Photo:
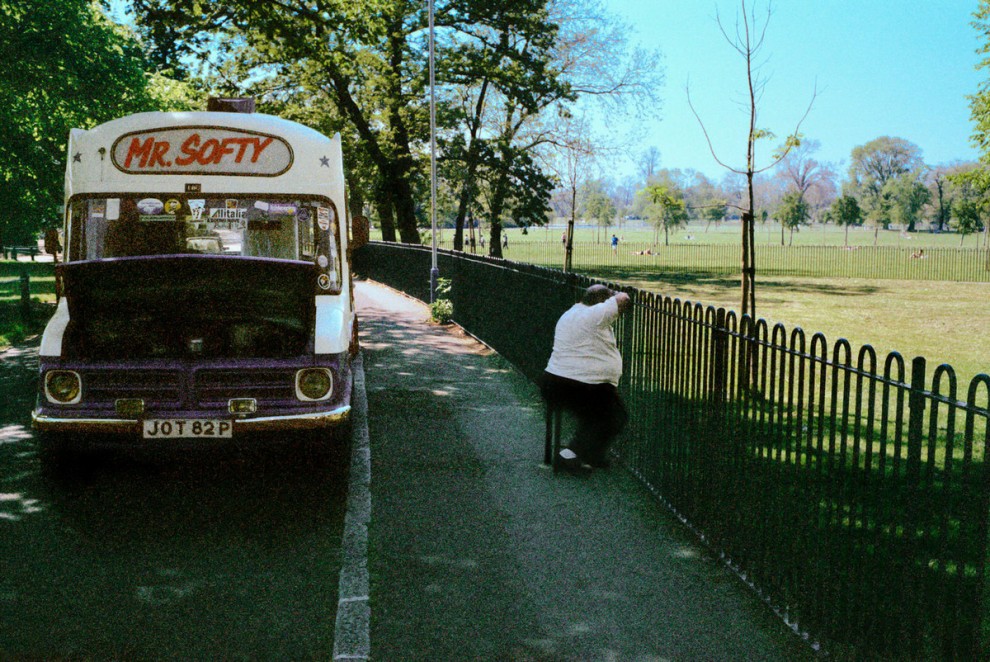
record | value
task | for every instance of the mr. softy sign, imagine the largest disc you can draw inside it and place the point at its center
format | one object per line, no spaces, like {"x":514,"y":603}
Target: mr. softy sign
{"x":201,"y":150}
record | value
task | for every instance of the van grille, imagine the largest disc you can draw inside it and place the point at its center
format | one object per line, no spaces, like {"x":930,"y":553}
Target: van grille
{"x":214,"y":387}
{"x":160,"y":389}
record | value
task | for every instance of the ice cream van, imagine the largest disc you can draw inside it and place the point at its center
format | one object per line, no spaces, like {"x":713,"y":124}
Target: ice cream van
{"x":206,"y":292}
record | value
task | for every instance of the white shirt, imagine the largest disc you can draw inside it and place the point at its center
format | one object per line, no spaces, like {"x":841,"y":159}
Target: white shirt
{"x":584,"y":346}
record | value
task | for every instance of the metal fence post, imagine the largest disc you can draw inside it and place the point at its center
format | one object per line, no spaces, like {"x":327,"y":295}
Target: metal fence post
{"x":720,"y":367}
{"x":916,"y":414}
{"x":915,"y":495}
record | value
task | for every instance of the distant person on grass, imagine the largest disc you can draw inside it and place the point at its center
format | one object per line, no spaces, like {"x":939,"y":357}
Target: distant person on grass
{"x":583,"y":373}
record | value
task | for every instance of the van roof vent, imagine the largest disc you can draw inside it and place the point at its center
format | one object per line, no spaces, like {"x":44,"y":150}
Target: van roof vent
{"x":218,"y":105}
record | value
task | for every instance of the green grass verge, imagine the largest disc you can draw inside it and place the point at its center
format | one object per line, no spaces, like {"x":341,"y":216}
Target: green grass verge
{"x":14,"y":327}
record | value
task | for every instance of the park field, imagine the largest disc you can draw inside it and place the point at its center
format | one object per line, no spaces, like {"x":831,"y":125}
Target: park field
{"x":944,"y":321}
{"x":635,"y":232}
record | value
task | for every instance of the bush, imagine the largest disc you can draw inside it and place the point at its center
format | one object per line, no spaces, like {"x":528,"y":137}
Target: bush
{"x":442,"y":309}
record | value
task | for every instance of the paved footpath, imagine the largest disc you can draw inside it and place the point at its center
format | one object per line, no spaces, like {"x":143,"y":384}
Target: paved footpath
{"x":476,"y":551}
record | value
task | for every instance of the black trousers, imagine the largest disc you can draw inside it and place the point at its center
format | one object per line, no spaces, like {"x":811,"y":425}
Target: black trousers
{"x":597,"y":408}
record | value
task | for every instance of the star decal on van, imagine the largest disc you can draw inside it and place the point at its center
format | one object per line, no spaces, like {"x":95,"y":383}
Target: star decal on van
{"x":324,"y":162}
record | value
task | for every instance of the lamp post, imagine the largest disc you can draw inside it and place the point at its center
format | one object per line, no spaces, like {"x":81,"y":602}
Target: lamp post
{"x":434,"y":270}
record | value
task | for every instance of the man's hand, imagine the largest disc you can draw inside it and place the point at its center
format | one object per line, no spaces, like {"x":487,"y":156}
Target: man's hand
{"x":623,"y":301}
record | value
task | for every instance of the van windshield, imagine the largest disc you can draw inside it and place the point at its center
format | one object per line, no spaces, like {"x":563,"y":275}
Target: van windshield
{"x":166,"y":224}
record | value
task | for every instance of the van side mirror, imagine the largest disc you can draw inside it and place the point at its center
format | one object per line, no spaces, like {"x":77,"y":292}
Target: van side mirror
{"x":360,"y":232}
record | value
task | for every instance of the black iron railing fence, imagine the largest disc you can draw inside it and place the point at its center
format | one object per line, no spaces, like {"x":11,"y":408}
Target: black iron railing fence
{"x":850,"y":491}
{"x":884,"y":262}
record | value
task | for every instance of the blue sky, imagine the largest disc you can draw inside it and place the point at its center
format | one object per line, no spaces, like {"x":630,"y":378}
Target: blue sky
{"x":882,"y":67}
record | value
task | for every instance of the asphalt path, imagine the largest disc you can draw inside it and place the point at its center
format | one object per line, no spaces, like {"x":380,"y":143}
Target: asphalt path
{"x":476,"y":551}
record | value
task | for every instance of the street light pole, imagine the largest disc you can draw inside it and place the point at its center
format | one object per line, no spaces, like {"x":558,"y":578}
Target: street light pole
{"x":434,"y":270}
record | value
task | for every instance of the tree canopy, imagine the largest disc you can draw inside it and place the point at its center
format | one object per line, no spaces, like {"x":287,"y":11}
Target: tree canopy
{"x":500,"y":67}
{"x":66,"y":65}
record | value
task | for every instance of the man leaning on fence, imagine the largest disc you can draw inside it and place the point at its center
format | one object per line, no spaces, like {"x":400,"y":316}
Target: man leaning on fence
{"x":583,"y":373}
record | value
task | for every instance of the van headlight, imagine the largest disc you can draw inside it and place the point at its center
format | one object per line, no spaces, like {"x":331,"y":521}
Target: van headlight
{"x":314,"y":384}
{"x":63,"y":387}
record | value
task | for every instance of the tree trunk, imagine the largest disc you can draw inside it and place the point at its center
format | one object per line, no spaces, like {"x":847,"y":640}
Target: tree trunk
{"x":383,"y":204}
{"x":405,"y":207}
{"x":400,"y":172}
{"x":466,"y":196}
{"x":355,"y":198}
{"x":496,"y":206}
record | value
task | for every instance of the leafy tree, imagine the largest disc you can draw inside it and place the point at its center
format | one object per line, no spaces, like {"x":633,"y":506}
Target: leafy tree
{"x":979,"y":103}
{"x":713,"y":211}
{"x":968,"y":217}
{"x":971,"y":201}
{"x":65,"y":65}
{"x":814,"y":180}
{"x":845,"y":212}
{"x":873,"y":179}
{"x":909,"y":197}
{"x":598,"y":206}
{"x":495,"y":66}
{"x":597,"y":67}
{"x":366,"y":58}
{"x":793,"y":212}
{"x":667,"y":210}
{"x":939,"y":189}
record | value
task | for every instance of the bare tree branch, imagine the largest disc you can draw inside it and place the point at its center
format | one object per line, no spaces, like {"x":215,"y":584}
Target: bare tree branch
{"x":708,"y":139}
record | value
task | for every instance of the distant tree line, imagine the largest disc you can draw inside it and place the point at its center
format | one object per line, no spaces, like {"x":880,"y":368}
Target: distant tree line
{"x":887,"y":184}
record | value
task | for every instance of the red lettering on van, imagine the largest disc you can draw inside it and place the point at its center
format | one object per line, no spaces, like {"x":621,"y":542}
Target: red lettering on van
{"x":259,"y":147}
{"x":243,"y":142}
{"x":208,"y":152}
{"x":190,"y":147}
{"x":139,"y":149}
{"x":158,"y":154}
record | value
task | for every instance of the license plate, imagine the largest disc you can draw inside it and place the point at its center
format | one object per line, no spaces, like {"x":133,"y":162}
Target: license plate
{"x":179,"y":428}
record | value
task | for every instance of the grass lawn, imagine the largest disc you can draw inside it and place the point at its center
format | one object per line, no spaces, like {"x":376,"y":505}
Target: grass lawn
{"x":635,"y":232}
{"x":944,"y":322}
{"x":13,"y":328}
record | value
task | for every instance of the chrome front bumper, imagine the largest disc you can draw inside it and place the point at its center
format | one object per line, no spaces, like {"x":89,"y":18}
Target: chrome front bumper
{"x":310,"y":421}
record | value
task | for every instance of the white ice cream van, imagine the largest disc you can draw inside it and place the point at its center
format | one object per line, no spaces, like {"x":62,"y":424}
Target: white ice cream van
{"x":206,"y":291}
